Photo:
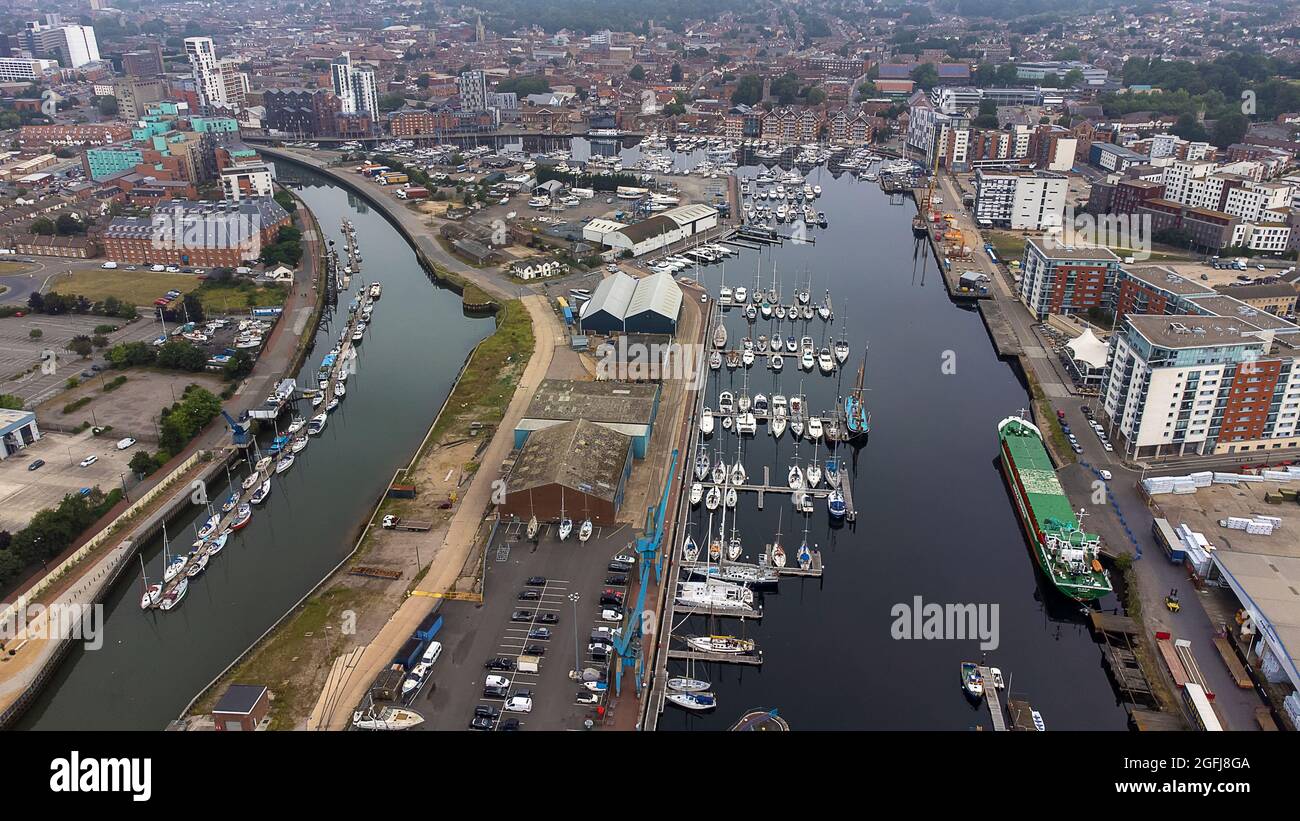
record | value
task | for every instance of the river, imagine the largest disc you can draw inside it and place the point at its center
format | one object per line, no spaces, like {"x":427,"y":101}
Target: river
{"x":935,"y":520}
{"x":152,"y":664}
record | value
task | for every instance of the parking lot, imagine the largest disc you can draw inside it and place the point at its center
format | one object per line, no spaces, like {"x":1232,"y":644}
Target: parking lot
{"x":506,"y":627}
{"x":24,"y":492}
{"x":20,"y":352}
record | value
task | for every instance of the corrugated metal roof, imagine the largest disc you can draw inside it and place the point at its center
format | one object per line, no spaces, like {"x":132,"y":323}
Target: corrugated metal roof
{"x":658,"y":293}
{"x":612,"y":295}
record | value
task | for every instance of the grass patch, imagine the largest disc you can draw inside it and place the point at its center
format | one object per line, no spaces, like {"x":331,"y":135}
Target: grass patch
{"x":114,"y":384}
{"x":73,"y":407}
{"x":1047,"y":417}
{"x":299,"y":646}
{"x":1009,"y":247}
{"x":237,"y":297}
{"x":7,"y":268}
{"x":473,"y":295}
{"x":132,"y":287}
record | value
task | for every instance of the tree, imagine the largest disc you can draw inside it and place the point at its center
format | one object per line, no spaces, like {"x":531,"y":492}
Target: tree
{"x":43,"y":226}
{"x":1189,"y":129}
{"x":748,"y":91}
{"x":675,"y":73}
{"x":35,"y":333}
{"x":988,"y":116}
{"x":142,"y":464}
{"x":108,"y":106}
{"x":391,"y":102}
{"x":1228,"y":130}
{"x":99,"y":341}
{"x":10,"y":402}
{"x":926,"y":76}
{"x":637,"y":73}
{"x":67,"y":225}
{"x":180,"y":355}
{"x":286,"y":201}
{"x":81,"y":345}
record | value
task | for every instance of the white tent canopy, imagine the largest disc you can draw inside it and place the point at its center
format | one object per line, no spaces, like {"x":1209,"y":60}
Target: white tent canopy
{"x":1088,"y":349}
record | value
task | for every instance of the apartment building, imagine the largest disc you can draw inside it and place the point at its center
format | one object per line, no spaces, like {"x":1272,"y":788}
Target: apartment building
{"x":1020,"y":200}
{"x":248,"y":179}
{"x":1056,"y":280}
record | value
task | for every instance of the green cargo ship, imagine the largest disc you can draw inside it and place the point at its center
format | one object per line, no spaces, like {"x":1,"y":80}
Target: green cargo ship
{"x":1068,"y":556}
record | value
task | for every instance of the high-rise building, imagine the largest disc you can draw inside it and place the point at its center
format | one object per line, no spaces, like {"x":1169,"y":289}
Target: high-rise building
{"x":144,"y":63}
{"x":80,"y":46}
{"x":356,"y":89}
{"x":216,"y":80}
{"x":74,"y":46}
{"x":473,"y":90}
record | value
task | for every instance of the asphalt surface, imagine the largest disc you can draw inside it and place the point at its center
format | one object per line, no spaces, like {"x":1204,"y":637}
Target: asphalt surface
{"x":473,"y":633}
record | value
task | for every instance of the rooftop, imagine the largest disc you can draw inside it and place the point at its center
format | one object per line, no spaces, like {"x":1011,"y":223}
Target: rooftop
{"x":612,"y":402}
{"x":578,"y":455}
{"x":1073,"y":252}
{"x":1166,"y":280}
{"x":1193,"y":331}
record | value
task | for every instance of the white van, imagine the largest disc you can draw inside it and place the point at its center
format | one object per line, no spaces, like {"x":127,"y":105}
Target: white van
{"x":109,"y":265}
{"x":528,"y":664}
{"x":432,"y":653}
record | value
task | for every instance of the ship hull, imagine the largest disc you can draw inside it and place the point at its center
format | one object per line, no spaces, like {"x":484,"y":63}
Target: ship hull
{"x":1025,"y":513}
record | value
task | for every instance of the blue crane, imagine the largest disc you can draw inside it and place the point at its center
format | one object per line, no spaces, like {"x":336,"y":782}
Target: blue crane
{"x":238,"y":433}
{"x":647,"y":547}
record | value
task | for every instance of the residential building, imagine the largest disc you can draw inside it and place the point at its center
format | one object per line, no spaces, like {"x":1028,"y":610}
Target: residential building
{"x":1066,"y":280}
{"x":244,"y":180}
{"x":1020,"y":200}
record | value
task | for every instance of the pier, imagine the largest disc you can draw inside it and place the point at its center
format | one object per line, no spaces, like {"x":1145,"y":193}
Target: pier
{"x":753,"y":659}
{"x":993,"y":699}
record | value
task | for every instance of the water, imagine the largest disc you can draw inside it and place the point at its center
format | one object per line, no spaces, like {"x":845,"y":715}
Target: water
{"x":152,"y":664}
{"x":934,"y":517}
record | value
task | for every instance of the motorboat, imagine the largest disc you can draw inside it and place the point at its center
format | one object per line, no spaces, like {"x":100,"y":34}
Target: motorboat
{"x":285,"y":463}
{"x":791,"y":345}
{"x":841,"y":351}
{"x":297,"y":424}
{"x":776,"y":362}
{"x":743,"y":403}
{"x":747,"y":358}
{"x":760,"y":403}
{"x":796,"y":427}
{"x":715,"y":550}
{"x":584,"y":531}
{"x":317,"y":424}
{"x":388,"y":718}
{"x":715,"y":360}
{"x":835,"y":504}
{"x":825,"y":362}
{"x":814,"y":428}
{"x":806,"y":361}
{"x":746,"y":423}
{"x":332,"y":404}
{"x":299,"y":444}
{"x":726,"y":403}
{"x":706,"y":422}
{"x":972,"y":683}
{"x":415,"y":679}
{"x":263,"y":491}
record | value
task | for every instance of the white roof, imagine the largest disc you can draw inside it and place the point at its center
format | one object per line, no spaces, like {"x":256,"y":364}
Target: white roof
{"x":603,"y":226}
{"x":687,"y":214}
{"x":612,"y":295}
{"x":1086,"y":347}
{"x":658,"y":293}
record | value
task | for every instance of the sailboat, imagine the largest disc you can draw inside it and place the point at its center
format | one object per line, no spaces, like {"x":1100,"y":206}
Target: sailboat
{"x":242,"y":516}
{"x":778,"y":552}
{"x":173,"y":597}
{"x":172,"y":565}
{"x":682,"y":684}
{"x":857,"y":419}
{"x":701,"y":465}
{"x":218,"y":543}
{"x":693,"y":701}
{"x":832,"y":471}
{"x":690,"y":550}
{"x":730,"y":497}
{"x":584,"y":532}
{"x":210,"y":526}
{"x":733,"y":544}
{"x":152,"y":592}
{"x":803,"y":555}
{"x":713,"y":498}
{"x":566,"y":524}
{"x":261,"y":493}
{"x":697,"y":493}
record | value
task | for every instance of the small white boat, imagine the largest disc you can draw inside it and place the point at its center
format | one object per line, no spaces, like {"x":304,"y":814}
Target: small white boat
{"x":690,"y":550}
{"x":584,"y":532}
{"x":210,"y":526}
{"x":814,"y":474}
{"x":251,"y":480}
{"x":340,"y":390}
{"x":687,"y":685}
{"x":317,"y":424}
{"x":778,"y":425}
{"x":697,"y":493}
{"x":701,"y":465}
{"x":285,"y":462}
{"x":533,"y":527}
{"x":218,"y":543}
{"x":776,"y":362}
{"x":199,"y":564}
{"x":389,"y":718}
{"x":173,"y":597}
{"x":299,"y":443}
{"x":261,"y":493}
{"x":795,"y":477}
{"x":713,"y":498}
{"x":706,"y":422}
{"x":298,"y":423}
{"x":806,"y":361}
{"x":731,"y":497}
{"x":778,"y":555}
{"x":814,"y":428}
{"x":738,"y":473}
{"x":152,"y":594}
{"x":693,"y":701}
{"x":566,"y":527}
{"x":825,"y":362}
{"x":719,"y":475}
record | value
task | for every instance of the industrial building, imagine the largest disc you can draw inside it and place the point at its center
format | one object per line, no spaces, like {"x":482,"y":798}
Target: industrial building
{"x":622,"y":303}
{"x":17,"y":430}
{"x":650,"y":235}
{"x":577,"y":469}
{"x":242,"y":708}
{"x":625,"y":407}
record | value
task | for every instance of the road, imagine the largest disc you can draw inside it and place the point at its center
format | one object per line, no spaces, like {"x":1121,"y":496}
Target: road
{"x":1120,"y":496}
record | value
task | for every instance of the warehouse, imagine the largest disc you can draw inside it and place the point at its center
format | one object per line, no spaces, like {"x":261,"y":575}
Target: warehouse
{"x":625,"y":407}
{"x":17,"y":431}
{"x":650,"y":235}
{"x":622,"y":303}
{"x":577,"y":469}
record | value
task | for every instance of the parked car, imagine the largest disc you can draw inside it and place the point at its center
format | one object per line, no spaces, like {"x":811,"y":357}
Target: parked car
{"x":480,"y":723}
{"x":539,"y":633}
{"x":499,"y":663}
{"x":587,"y":698}
{"x":536,"y":581}
{"x":625,"y":558}
{"x":616,"y":581}
{"x":535,"y":650}
{"x":495,"y":692}
{"x":529,"y":595}
{"x":484,"y":711}
{"x":618,"y":567}
{"x":88,"y":461}
{"x":37,"y":464}
{"x":123,"y":444}
{"x":508,"y":725}
{"x":1105,"y":474}
{"x":522,"y":615}
{"x":496,"y":681}
{"x":548,"y":618}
